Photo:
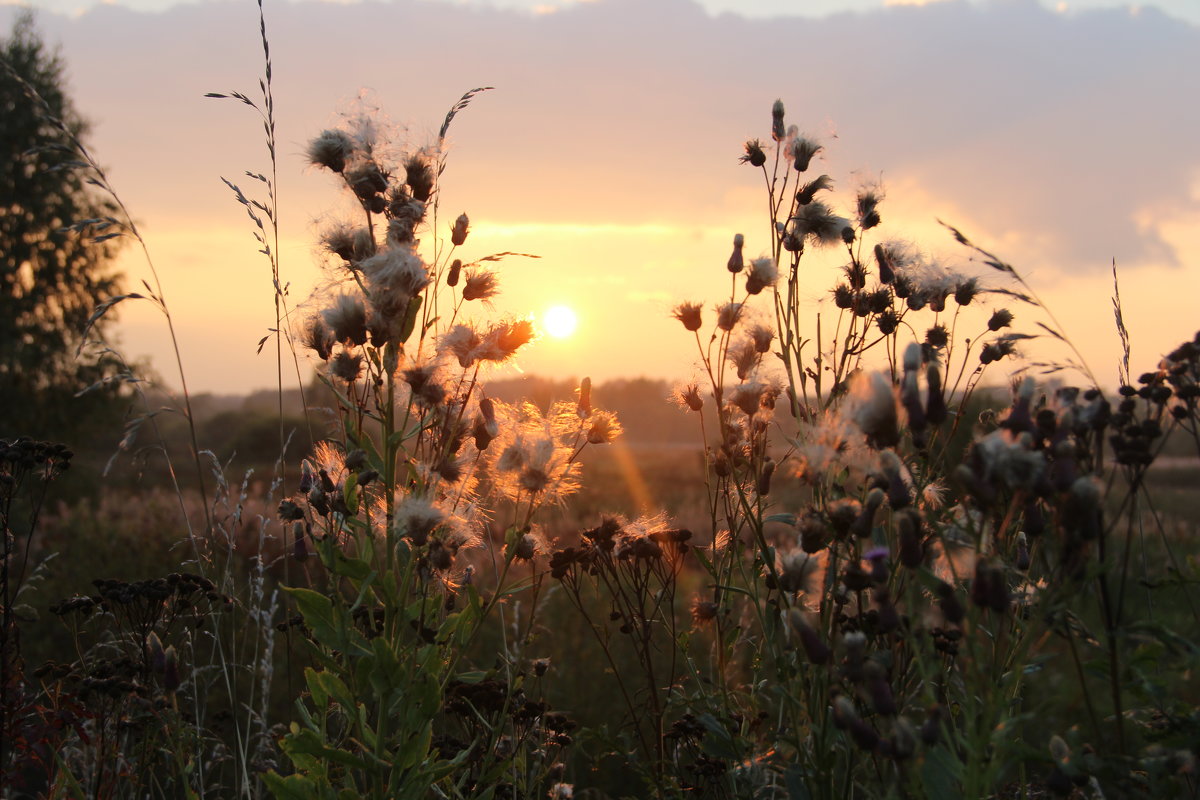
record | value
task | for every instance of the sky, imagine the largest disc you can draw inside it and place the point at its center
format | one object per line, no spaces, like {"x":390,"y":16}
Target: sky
{"x":1060,"y":136}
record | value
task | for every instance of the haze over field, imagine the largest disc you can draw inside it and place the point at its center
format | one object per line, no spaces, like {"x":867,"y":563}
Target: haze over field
{"x":1062,"y":138}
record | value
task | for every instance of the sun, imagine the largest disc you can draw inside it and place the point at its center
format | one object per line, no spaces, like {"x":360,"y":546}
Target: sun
{"x":559,"y":321}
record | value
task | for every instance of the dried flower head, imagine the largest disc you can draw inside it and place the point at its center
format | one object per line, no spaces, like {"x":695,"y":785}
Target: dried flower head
{"x":347,"y":318}
{"x":317,"y":336}
{"x":480,"y":285}
{"x":763,"y":273}
{"x":800,"y":152}
{"x":331,"y":149}
{"x":728,"y":315}
{"x":754,"y":154}
{"x":603,"y":427}
{"x":689,"y":315}
{"x":816,"y":221}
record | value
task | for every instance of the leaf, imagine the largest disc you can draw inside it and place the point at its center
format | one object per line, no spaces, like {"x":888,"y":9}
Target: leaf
{"x":103,"y":309}
{"x":1051,"y":331}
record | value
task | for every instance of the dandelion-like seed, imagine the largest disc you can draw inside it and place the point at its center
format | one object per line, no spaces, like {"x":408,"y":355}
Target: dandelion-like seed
{"x":480,"y":285}
{"x":868,"y":207}
{"x":603,"y":427}
{"x":801,"y":152}
{"x":417,"y":517}
{"x":346,"y":367}
{"x":689,"y":397}
{"x":331,"y":149}
{"x":317,"y":337}
{"x":818,"y":222}
{"x":728,"y":315}
{"x":809,"y":190}
{"x":347,"y":318}
{"x":762,"y":336}
{"x":418,"y":174}
{"x":763,"y":273}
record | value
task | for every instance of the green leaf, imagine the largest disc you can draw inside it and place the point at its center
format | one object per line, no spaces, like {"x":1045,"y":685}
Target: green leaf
{"x":293,"y":787}
{"x":941,"y":774}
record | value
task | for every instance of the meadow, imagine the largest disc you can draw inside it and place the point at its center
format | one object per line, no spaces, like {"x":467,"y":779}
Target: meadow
{"x":894,"y":559}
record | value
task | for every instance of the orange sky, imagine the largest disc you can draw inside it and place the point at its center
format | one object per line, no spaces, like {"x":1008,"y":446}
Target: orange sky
{"x":610,"y":146}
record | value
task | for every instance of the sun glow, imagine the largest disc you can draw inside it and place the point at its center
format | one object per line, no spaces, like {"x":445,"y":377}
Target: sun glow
{"x":559,"y":321}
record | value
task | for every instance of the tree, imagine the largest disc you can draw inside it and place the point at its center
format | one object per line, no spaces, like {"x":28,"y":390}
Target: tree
{"x":51,"y":276}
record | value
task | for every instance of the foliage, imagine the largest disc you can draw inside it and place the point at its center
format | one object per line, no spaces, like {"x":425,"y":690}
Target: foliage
{"x":54,"y":250}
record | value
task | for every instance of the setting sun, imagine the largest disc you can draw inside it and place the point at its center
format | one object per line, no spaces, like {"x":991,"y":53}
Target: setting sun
{"x":559,"y":321}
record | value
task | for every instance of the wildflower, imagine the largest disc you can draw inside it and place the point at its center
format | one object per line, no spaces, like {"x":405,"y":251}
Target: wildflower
{"x":809,"y":190}
{"x":453,"y":273}
{"x":404,"y":217}
{"x":818,"y":222}
{"x":317,"y":336}
{"x":761,"y":336}
{"x":728,"y":315}
{"x":868,"y":207}
{"x":583,"y":404}
{"x":458,"y":233}
{"x":814,"y":647}
{"x":689,"y":315}
{"x":754,"y":155}
{"x":418,"y":174}
{"x":416,"y":518}
{"x":736,"y":261}
{"x":704,"y":611}
{"x":966,"y":291}
{"x":748,"y":397}
{"x":504,"y":339}
{"x":393,"y":277}
{"x":777,"y":130}
{"x":603,"y":427}
{"x":689,"y":397}
{"x":744,"y":356}
{"x":801,"y":151}
{"x":480,"y":285}
{"x":331,"y":149}
{"x":763,"y":273}
{"x":1001,"y":318}
{"x":422,"y":380}
{"x":464,"y":343}
{"x":368,"y":181}
{"x":763,"y":484}
{"x":872,"y":407}
{"x":937,"y":337}
{"x":843,"y":296}
{"x":348,"y":243}
{"x":346,"y":367}
{"x":171,"y":677}
{"x":347,"y":318}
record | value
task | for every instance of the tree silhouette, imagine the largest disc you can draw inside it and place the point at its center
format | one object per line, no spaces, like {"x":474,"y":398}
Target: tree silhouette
{"x":52,"y":276}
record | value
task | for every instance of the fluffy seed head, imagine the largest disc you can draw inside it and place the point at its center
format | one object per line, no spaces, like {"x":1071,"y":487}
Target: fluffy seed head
{"x":331,"y":149}
{"x":689,"y":315}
